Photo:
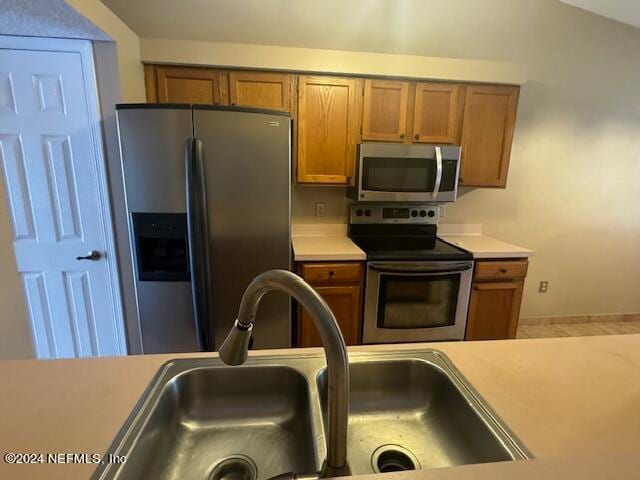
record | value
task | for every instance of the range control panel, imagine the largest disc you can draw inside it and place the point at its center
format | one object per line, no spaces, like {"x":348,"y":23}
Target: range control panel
{"x":412,"y":213}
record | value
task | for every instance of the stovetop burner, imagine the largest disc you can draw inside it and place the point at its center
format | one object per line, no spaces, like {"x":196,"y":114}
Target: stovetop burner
{"x":411,"y":249}
{"x":400,"y":240}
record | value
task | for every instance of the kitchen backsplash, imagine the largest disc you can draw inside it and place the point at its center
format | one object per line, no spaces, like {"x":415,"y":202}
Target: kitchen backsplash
{"x":304,"y":200}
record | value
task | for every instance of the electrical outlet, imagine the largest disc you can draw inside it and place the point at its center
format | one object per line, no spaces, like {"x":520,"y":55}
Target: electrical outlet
{"x":543,"y":287}
{"x":320,"y":209}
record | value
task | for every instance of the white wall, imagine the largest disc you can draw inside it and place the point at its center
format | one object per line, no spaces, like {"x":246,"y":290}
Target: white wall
{"x":54,"y":18}
{"x":156,"y":50}
{"x":128,"y":45}
{"x":15,"y":336}
{"x":573,"y":191}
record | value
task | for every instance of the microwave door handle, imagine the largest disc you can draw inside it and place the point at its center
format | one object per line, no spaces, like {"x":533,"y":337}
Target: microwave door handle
{"x":398,"y":268}
{"x":436,"y":186}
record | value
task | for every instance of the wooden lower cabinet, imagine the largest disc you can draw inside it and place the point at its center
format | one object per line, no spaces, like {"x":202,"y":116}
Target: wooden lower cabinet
{"x":496,"y":295}
{"x":340,"y":285}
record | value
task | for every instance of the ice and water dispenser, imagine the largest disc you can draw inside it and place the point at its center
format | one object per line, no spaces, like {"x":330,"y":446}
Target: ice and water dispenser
{"x":162,"y":248}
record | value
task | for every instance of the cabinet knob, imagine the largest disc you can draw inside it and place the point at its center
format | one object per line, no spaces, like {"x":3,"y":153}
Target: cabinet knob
{"x":402,"y":135}
{"x":503,"y":270}
{"x":331,"y":273}
{"x":417,"y":136}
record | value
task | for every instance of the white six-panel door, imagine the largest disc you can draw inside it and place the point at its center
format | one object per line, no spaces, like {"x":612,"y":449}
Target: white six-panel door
{"x":52,"y":166}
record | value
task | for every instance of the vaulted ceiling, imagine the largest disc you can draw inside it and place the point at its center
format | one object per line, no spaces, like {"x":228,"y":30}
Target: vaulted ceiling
{"x":625,"y":11}
{"x":449,"y":28}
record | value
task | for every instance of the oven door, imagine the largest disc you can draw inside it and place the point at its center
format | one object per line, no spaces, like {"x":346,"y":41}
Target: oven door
{"x":416,"y":301}
{"x":408,"y":173}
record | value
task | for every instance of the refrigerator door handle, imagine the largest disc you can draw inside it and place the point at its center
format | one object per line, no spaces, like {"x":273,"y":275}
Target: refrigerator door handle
{"x":197,"y":227}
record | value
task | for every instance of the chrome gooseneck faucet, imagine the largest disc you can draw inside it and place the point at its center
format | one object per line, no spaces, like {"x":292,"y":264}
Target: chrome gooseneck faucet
{"x":234,"y":352}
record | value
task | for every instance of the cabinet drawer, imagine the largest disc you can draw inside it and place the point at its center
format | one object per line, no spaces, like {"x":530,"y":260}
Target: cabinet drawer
{"x":328,"y":273}
{"x":500,"y":270}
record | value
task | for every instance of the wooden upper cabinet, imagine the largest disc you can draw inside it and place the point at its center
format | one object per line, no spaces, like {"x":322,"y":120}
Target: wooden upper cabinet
{"x":437,"y":112}
{"x":191,"y":85}
{"x":261,"y":89}
{"x":487,"y":133}
{"x":328,"y":128}
{"x":384,"y":110}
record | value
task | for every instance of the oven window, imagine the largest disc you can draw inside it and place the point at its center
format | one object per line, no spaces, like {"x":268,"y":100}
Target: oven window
{"x":417,"y":301}
{"x":398,"y":174}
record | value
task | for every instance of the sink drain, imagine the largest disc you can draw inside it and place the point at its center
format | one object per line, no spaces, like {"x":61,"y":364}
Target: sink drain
{"x":393,"y":458}
{"x":234,"y":467}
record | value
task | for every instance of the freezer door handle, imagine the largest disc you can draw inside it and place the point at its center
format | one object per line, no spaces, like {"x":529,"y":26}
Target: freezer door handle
{"x":197,"y":228}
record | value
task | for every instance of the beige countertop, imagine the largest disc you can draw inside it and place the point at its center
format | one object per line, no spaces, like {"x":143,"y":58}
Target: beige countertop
{"x":483,"y":246}
{"x":323,"y":243}
{"x":574,"y":402}
{"x":329,"y":242}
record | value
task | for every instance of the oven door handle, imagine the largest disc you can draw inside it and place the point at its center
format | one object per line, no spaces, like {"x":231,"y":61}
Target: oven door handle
{"x":436,"y":186}
{"x":408,"y":268}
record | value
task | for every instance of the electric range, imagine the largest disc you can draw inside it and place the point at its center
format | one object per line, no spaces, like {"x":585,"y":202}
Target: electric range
{"x":417,"y":286}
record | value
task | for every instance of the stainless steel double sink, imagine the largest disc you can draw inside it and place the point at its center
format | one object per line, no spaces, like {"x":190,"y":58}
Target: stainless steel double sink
{"x":199,"y":419}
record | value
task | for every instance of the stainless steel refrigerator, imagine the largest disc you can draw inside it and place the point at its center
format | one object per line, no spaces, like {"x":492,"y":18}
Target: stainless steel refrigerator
{"x":209,"y":207}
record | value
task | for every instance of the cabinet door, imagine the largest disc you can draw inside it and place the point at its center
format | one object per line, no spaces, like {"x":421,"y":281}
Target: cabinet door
{"x":437,"y":113}
{"x":329,"y":115}
{"x":344,"y":301}
{"x":487,"y":133}
{"x":191,"y":85}
{"x":151,"y":83}
{"x":261,"y":89}
{"x":384,"y":110}
{"x":494,"y":309}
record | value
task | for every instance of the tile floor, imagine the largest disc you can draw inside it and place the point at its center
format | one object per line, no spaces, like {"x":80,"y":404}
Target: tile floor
{"x":578,"y":329}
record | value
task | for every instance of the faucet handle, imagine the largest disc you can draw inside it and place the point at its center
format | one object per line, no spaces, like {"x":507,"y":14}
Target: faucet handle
{"x":233,"y":350}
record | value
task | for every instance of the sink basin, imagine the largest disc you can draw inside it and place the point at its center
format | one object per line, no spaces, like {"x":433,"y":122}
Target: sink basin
{"x":253,"y":421}
{"x":407,"y":414}
{"x":201,"y":420}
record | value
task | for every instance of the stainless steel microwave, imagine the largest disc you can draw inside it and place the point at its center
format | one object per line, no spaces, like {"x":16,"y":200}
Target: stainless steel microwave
{"x":387,"y":172}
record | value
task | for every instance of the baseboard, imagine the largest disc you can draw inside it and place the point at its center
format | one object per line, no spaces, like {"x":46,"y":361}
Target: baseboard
{"x":599,"y":318}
